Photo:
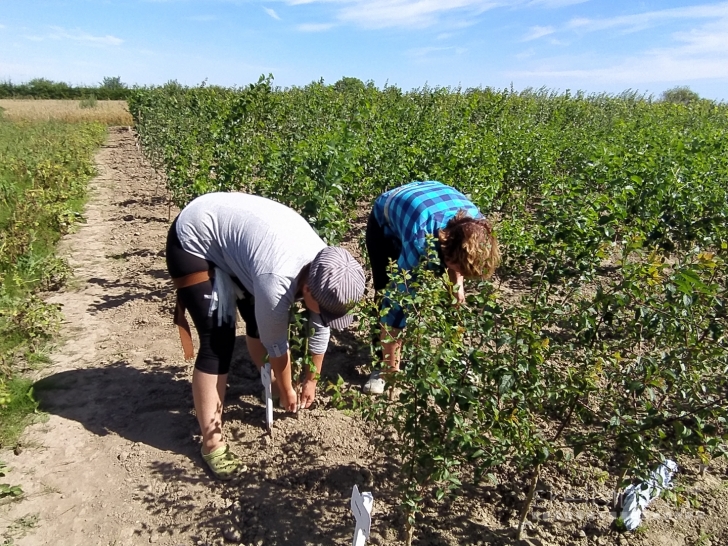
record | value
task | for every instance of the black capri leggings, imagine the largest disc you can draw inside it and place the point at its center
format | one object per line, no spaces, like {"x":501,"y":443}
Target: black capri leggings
{"x":216,"y":342}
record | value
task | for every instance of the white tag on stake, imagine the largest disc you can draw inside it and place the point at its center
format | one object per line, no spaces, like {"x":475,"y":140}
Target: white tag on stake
{"x":265,"y":378}
{"x":636,"y":497}
{"x":361,"y":507}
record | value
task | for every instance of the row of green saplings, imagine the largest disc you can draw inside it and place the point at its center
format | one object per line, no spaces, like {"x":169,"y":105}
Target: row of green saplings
{"x":623,"y":372}
{"x":577,"y":224}
{"x":293,"y":147}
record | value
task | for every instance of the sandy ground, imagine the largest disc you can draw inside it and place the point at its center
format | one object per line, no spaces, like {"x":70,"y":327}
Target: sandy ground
{"x":117,"y":461}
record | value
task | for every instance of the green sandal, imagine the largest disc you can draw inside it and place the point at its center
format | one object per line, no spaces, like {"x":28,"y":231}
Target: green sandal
{"x":224,"y":463}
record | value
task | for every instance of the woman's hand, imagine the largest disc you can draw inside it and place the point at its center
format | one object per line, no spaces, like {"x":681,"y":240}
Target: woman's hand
{"x":308,"y":393}
{"x":308,"y":389}
{"x":289,"y":400}
{"x":457,"y":279}
{"x":281,"y":366}
{"x":460,"y":295}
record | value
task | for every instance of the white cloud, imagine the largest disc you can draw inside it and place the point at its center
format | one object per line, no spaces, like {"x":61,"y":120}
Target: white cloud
{"x":650,"y":18}
{"x":2,"y":26}
{"x":460,"y":13}
{"x":418,"y":13}
{"x":710,"y":39}
{"x":60,"y":33}
{"x":525,"y":54}
{"x":538,"y":32}
{"x":698,"y":54}
{"x":315,"y":27}
{"x":405,"y":13}
{"x":34,"y":38}
{"x":272,"y":13}
{"x":555,"y":3}
{"x":426,"y":52}
{"x":637,"y":71}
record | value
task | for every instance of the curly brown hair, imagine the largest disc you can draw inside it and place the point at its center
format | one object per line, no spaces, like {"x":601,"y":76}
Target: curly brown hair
{"x":470,"y":244}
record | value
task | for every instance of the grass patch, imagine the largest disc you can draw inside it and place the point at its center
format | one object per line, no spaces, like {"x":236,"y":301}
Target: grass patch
{"x":18,"y":411}
{"x":44,"y":168}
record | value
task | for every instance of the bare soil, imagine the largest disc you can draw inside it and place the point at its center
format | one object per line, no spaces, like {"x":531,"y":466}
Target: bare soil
{"x":117,"y":460}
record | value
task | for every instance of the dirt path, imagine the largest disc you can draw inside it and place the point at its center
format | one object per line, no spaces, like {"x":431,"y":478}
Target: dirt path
{"x":117,"y":461}
{"x":91,"y":470}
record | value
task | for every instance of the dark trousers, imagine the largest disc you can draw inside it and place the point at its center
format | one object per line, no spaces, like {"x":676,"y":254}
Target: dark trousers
{"x":216,"y":342}
{"x":381,"y":250}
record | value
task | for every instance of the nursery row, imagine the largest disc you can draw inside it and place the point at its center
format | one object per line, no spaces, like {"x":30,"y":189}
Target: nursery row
{"x":603,"y":336}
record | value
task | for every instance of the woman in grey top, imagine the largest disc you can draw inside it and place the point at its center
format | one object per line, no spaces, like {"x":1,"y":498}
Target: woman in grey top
{"x":274,"y":257}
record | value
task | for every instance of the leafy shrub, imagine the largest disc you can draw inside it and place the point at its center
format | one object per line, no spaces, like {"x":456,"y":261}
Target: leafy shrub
{"x":607,"y":334}
{"x":679,"y":95}
{"x":88,"y":101}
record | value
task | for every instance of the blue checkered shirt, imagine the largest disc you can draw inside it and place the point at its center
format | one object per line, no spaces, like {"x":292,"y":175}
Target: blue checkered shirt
{"x":412,"y":211}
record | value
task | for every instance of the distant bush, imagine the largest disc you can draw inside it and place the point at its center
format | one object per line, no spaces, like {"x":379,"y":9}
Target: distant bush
{"x":88,"y":102}
{"x":111,"y":88}
{"x":680,"y":95}
{"x":114,"y":83}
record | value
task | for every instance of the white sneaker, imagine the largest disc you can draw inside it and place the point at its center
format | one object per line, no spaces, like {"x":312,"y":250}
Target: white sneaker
{"x":375,"y":384}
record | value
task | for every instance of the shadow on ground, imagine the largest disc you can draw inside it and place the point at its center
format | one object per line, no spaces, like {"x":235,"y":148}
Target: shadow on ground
{"x":152,"y":406}
{"x":296,"y":490}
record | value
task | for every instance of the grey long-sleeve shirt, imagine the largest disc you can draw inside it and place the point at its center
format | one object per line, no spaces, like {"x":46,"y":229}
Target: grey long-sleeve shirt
{"x":265,"y":245}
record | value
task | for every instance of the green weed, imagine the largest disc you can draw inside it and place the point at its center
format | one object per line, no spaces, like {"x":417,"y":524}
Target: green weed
{"x":18,"y":409}
{"x":88,"y":101}
{"x":7,"y":490}
{"x":21,"y":527}
{"x":43,"y":172}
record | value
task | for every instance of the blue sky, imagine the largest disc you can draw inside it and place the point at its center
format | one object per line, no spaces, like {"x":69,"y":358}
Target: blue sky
{"x":588,"y":45}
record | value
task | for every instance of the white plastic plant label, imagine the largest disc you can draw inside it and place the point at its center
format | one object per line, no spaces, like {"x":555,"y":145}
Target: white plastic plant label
{"x":637,"y":496}
{"x":361,"y":507}
{"x":265,"y":377}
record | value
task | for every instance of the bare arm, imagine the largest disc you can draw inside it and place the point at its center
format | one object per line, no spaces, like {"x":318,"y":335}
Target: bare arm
{"x":308,"y":390}
{"x":281,"y":366}
{"x":457,"y":279}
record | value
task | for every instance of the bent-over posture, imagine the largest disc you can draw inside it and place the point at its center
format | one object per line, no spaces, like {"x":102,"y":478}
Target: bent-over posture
{"x":397,"y":230}
{"x":267,"y":256}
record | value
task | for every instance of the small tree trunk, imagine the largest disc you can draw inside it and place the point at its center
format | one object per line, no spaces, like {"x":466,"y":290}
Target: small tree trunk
{"x":529,"y":500}
{"x":410,"y":533}
{"x":620,"y":478}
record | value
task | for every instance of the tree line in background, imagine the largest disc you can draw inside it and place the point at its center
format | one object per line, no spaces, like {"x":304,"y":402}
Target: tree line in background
{"x":111,"y":88}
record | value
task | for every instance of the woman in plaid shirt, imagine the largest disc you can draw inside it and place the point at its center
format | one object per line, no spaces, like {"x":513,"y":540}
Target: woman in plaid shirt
{"x":398,"y":226}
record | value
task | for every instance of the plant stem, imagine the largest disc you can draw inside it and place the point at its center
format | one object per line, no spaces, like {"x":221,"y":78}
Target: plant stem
{"x":410,"y":533}
{"x":529,"y":500}
{"x":620,"y":478}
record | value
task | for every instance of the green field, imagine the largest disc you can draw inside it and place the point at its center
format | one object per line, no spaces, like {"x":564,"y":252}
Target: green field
{"x":603,"y":336}
{"x":44,"y":167}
